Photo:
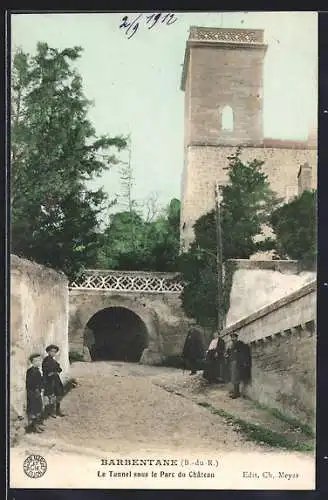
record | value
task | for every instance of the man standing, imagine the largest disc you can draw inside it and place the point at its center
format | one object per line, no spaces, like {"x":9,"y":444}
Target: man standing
{"x":193,"y":350}
{"x":239,"y":358}
{"x":53,"y":385}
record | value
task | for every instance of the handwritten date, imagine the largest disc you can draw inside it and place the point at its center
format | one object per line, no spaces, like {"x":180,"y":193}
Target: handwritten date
{"x":131,"y":27}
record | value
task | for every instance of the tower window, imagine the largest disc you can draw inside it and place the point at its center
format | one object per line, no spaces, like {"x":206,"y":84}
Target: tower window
{"x":227,"y":119}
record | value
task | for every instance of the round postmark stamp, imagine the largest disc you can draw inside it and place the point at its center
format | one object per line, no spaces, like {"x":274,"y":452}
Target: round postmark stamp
{"x":35,"y":466}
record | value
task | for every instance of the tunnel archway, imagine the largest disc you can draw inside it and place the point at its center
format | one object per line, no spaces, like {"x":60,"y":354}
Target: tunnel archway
{"x":116,"y":333}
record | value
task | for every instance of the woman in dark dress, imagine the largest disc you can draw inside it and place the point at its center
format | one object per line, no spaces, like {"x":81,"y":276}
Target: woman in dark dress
{"x":214,"y":371}
{"x":53,"y":386}
{"x":34,"y":388}
{"x":193,"y":350}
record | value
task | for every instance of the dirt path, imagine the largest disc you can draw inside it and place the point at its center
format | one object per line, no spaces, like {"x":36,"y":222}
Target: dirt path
{"x":125,"y":407}
{"x":119,"y":406}
{"x":131,"y":410}
{"x":198,"y":390}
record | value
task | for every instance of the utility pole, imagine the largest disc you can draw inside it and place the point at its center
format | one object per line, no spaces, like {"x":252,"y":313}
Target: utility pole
{"x":219,"y":257}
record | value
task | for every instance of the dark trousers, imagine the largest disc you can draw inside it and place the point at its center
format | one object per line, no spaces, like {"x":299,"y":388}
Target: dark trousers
{"x":54,"y":404}
{"x":193,"y":365}
{"x":236,"y":389}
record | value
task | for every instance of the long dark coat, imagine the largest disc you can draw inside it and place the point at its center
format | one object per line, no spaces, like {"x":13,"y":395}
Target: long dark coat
{"x":53,"y":385}
{"x":240,"y":362}
{"x":193,"y":348}
{"x":34,"y":385}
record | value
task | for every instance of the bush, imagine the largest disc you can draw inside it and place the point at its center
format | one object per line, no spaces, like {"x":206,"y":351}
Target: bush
{"x":294,"y":225}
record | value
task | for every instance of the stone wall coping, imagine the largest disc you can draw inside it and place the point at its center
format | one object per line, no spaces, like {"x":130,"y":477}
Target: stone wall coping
{"x":105,"y":272}
{"x":226,"y":44}
{"x":271,"y":144}
{"x":197,"y":32}
{"x":279,"y":265}
{"x":277,"y":304}
{"x":20,"y":265}
{"x":108,"y":291}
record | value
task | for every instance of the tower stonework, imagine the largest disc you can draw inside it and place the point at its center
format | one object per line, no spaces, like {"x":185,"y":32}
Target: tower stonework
{"x":222,"y":80}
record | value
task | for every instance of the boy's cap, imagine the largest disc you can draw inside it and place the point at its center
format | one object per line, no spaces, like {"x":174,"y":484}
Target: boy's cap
{"x":34,"y":355}
{"x":52,"y":347}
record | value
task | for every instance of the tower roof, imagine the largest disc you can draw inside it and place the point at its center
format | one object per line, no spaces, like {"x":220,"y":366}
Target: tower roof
{"x":221,"y":37}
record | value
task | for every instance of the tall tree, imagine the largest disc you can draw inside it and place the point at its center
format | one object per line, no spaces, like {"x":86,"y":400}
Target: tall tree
{"x":126,"y":196}
{"x":156,"y":241}
{"x":119,"y":251}
{"x":294,"y":225}
{"x":55,"y":151}
{"x":247,"y":202}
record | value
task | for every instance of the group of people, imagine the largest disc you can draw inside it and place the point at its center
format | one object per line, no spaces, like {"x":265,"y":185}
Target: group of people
{"x":44,"y":389}
{"x":219,"y":363}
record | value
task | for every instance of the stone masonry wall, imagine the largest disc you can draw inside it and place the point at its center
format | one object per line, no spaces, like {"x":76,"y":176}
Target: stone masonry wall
{"x":283,"y":347}
{"x":38,"y":317}
{"x":161,"y":313}
{"x":205,"y":168}
{"x":220,"y":76}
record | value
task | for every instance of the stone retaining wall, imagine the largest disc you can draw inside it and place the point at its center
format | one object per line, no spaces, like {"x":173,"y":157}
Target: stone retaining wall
{"x":38,"y":317}
{"x":282,"y":337}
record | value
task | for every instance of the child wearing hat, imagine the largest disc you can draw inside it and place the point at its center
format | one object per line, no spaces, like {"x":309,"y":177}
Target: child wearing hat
{"x":34,"y":387}
{"x":54,"y":389}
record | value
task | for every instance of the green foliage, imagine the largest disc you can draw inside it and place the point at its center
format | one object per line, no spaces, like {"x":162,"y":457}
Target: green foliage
{"x":154,"y":246}
{"x":199,"y":296}
{"x":259,"y":433}
{"x":247,"y":202}
{"x":74,"y":356}
{"x":294,"y":225}
{"x":54,"y":152}
{"x":229,"y":269}
{"x":293,"y":423}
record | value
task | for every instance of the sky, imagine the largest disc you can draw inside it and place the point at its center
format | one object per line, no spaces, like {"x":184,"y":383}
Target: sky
{"x":134,"y":82}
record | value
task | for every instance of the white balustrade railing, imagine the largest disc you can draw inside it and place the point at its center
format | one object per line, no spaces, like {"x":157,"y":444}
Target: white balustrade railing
{"x":128,"y":281}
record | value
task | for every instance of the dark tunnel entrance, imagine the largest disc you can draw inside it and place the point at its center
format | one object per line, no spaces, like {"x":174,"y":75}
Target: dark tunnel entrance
{"x":117,"y":334}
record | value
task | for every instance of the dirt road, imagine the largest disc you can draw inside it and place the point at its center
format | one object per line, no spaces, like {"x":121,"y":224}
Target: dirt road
{"x":122,"y":407}
{"x":130,"y":410}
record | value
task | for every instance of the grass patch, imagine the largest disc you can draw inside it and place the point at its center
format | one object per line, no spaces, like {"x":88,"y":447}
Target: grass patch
{"x":293,"y":423}
{"x":258,"y":433}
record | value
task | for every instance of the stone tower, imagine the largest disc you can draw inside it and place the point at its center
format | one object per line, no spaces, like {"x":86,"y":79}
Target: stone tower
{"x":222,"y":80}
{"x":223,"y":83}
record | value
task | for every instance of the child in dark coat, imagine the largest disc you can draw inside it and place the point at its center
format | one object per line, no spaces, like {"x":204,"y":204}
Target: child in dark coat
{"x":34,"y":387}
{"x":54,"y":389}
